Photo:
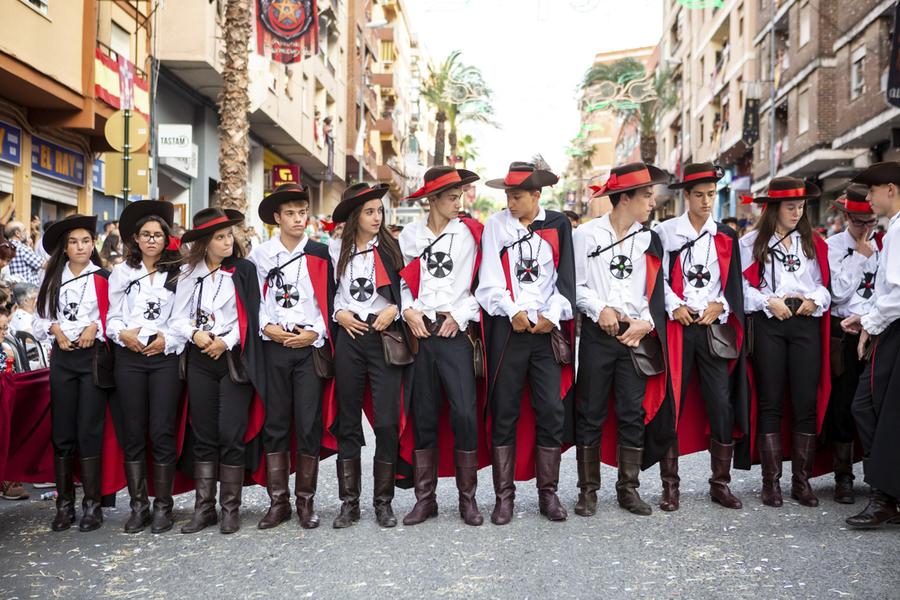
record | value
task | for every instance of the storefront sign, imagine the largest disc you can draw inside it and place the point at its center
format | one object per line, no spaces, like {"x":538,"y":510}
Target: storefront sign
{"x":57,"y":162}
{"x":282,"y":174}
{"x":10,"y":144}
{"x":97,"y":172}
{"x":174,"y":141}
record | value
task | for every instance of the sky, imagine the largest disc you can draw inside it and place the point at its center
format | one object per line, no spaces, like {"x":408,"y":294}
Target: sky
{"x":533,"y":54}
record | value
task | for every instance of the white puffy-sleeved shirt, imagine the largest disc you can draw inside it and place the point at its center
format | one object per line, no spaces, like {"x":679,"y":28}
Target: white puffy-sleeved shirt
{"x":886,"y":308}
{"x":611,"y":273}
{"x":852,"y":276}
{"x":532,"y":273}
{"x":795,"y":275}
{"x":76,"y":307}
{"x":356,"y":291}
{"x":701,"y":277}
{"x":445,"y":271}
{"x":138,"y":300}
{"x":289,"y":301}
{"x":208,"y":302}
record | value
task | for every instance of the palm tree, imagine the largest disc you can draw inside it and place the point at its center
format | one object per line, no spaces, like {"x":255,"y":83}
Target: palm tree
{"x":645,"y":99}
{"x":234,"y":104}
{"x":458,"y":94}
{"x":467,"y":150}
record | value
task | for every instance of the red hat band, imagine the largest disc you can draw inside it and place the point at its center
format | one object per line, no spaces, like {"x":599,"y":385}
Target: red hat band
{"x":517,"y":177}
{"x":439,"y":182}
{"x":626,"y":180}
{"x":212,"y":223}
{"x":700,"y":175}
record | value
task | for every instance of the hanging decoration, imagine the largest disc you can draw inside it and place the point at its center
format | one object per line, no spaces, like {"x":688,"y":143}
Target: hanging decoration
{"x":289,"y":28}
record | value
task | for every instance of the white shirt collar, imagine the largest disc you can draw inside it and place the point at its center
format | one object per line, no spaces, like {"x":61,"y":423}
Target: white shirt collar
{"x":686,"y":229}
{"x":68,"y":274}
{"x":604,"y":222}
{"x":276,"y":247}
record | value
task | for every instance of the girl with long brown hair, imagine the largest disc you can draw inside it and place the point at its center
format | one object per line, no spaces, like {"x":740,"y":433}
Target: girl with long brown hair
{"x":786,"y":294}
{"x":71,"y":312}
{"x":216,"y":310}
{"x":366,"y":303}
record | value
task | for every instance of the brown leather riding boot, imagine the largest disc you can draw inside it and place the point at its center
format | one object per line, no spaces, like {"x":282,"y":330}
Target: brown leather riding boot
{"x":91,"y":513}
{"x":231,"y":484}
{"x":629,"y":460}
{"x":383,"y":493}
{"x":720,"y":456}
{"x":668,"y":474}
{"x":278,"y":469}
{"x":771,"y":459}
{"x":136,"y":478}
{"x":546,"y":462}
{"x":349,"y":478}
{"x":163,"y":485}
{"x":803,"y":455}
{"x":425,"y":482}
{"x":306,"y":483}
{"x":65,"y":492}
{"x":206,"y":475}
{"x":882,"y":509}
{"x":466,"y":484}
{"x":843,"y":473}
{"x":588,"y":458}
{"x":504,"y":472}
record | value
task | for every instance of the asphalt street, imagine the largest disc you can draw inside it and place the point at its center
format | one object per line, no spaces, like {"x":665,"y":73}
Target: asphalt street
{"x":701,"y":551}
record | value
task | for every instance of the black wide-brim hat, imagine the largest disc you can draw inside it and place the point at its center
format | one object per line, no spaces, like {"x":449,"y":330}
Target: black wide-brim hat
{"x":854,"y":201}
{"x":524,"y":176}
{"x":440,"y":179}
{"x":695,"y":173}
{"x":787,"y":189}
{"x":55,"y":232}
{"x":286,"y":192}
{"x":136,"y":211}
{"x":355,"y":196}
{"x":880,"y":174}
{"x":632,"y":176}
{"x":210,"y":220}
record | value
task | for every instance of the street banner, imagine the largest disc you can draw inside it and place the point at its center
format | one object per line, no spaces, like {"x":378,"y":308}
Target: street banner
{"x":893,"y":86}
{"x":750,"y":133}
{"x":289,"y":28}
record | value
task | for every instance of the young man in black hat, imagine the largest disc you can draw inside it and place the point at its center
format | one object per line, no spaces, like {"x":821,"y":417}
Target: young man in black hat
{"x":527,"y":289}
{"x":619,"y":290}
{"x":875,"y":407}
{"x":297,"y":281}
{"x":705,"y":306}
{"x":853,"y":259}
{"x":442,"y":252}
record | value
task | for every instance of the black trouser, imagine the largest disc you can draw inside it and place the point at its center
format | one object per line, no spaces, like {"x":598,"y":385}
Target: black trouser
{"x":839,"y":421}
{"x":218,"y":408}
{"x":294,"y":392}
{"x":530,"y":355}
{"x":77,"y":406}
{"x":354,"y":361}
{"x":445,"y":364}
{"x":786,"y":358}
{"x":713,"y":374}
{"x":604,"y":362}
{"x":867,"y":404}
{"x":148,"y":392}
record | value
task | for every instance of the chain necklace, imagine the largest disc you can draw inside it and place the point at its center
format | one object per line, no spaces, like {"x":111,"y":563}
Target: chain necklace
{"x":697,"y":275}
{"x":528,"y":270}
{"x":621,"y":266}
{"x":362,"y":288}
{"x":202,"y":318}
{"x":287,"y":295}
{"x":70,"y":309}
{"x":439,"y":264}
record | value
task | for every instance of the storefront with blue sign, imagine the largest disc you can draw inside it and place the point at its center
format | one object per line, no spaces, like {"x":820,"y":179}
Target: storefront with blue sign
{"x":57,"y":175}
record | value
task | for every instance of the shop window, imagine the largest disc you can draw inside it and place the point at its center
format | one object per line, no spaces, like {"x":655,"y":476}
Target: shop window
{"x":857,"y":72}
